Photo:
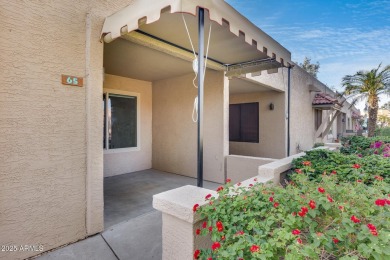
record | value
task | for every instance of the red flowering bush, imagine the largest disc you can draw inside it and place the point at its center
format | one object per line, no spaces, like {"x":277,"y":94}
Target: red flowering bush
{"x":329,"y":219}
{"x":347,"y":167}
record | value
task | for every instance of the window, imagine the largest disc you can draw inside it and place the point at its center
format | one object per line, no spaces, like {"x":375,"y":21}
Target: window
{"x":244,"y":122}
{"x":317,"y":118}
{"x":120,"y":121}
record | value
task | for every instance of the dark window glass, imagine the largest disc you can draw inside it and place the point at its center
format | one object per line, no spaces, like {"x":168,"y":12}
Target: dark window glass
{"x":104,"y":121}
{"x":244,"y":122}
{"x":318,"y":118}
{"x":121,"y":116}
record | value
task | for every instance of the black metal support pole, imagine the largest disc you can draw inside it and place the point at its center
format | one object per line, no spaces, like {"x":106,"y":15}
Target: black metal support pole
{"x":200,"y":95}
{"x":288,"y":110}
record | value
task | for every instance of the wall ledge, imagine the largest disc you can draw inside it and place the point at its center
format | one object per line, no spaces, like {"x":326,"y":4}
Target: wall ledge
{"x":180,"y":202}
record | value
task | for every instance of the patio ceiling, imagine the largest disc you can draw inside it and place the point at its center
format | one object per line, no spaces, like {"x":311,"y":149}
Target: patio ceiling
{"x":159,"y":25}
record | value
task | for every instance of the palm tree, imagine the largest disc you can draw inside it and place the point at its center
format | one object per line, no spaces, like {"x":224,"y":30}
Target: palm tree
{"x":368,"y":86}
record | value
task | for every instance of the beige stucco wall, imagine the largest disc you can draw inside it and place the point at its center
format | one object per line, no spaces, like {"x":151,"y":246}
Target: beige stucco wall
{"x":302,"y":113}
{"x":174,"y":132}
{"x":51,"y":170}
{"x":117,"y":162}
{"x":302,"y":116}
{"x":240,"y":168}
{"x":272,"y":125}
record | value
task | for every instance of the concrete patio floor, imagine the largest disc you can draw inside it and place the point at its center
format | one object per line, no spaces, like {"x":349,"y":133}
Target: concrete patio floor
{"x":132,"y":226}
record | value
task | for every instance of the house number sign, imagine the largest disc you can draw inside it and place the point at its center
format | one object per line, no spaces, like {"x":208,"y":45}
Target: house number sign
{"x":72,"y":80}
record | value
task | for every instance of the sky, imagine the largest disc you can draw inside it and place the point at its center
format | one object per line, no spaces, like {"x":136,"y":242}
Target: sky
{"x":344,"y":36}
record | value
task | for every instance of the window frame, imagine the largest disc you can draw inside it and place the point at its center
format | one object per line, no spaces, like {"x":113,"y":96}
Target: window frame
{"x":318,"y":114}
{"x":107,"y":92}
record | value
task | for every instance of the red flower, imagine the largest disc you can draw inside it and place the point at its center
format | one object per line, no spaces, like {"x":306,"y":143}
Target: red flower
{"x":329,"y":198}
{"x":240,"y":233}
{"x":219,"y":226}
{"x":204,"y":225}
{"x":299,"y":171}
{"x":271,"y":199}
{"x":215,"y":246}
{"x":296,"y":232}
{"x":312,"y":204}
{"x":228,"y":180}
{"x":208,"y":196}
{"x":196,"y":206}
{"x":239,"y":184}
{"x":372,"y":229}
{"x":303,"y":211}
{"x":355,"y":219}
{"x":380,"y":202}
{"x":210,"y":258}
{"x":333,"y":172}
{"x":255,"y":248}
{"x":294,"y":214}
{"x":335,"y":240}
{"x":306,"y":163}
{"x":359,"y":181}
{"x":196,"y":254}
{"x":210,"y":228}
{"x":299,"y":241}
{"x":255,"y":179}
{"x":320,"y":189}
{"x":250,"y":185}
{"x":371,"y":226}
{"x":341,"y":208}
{"x":379,"y":178}
{"x":219,"y":188}
{"x":197,"y":231}
{"x":276,"y":205}
{"x":356,"y":166}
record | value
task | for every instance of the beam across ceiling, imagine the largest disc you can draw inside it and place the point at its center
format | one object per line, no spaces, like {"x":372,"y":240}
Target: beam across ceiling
{"x":168,"y":48}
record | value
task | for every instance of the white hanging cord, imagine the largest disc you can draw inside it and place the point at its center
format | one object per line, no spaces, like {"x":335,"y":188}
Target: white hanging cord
{"x":195,"y":61}
{"x":189,"y":36}
{"x":207,"y":53}
{"x":195,"y":67}
{"x":195,"y":109}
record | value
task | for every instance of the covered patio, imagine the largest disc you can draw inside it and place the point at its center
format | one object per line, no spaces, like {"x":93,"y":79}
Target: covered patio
{"x":130,"y":195}
{"x":151,"y":65}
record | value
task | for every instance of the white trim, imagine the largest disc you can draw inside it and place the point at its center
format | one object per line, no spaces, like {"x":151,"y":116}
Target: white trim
{"x":129,"y":149}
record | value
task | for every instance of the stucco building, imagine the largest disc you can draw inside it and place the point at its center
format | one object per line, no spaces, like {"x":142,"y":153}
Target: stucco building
{"x":134,"y":107}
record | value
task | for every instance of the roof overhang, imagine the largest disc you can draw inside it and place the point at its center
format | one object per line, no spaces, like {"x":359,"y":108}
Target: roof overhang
{"x":328,"y":107}
{"x":237,"y":45}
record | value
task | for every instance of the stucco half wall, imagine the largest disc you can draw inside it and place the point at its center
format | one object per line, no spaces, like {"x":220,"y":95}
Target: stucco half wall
{"x":175,"y":134}
{"x":120,"y":162}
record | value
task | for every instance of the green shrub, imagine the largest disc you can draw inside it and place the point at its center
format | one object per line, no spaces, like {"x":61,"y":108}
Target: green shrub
{"x":305,"y":220}
{"x":385,"y":132}
{"x":326,"y":161}
{"x":318,"y":145}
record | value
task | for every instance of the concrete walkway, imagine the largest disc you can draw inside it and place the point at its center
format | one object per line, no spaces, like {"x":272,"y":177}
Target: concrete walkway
{"x":133,"y":227}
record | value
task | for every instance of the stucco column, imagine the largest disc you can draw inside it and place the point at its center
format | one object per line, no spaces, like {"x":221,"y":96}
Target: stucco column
{"x":179,"y":222}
